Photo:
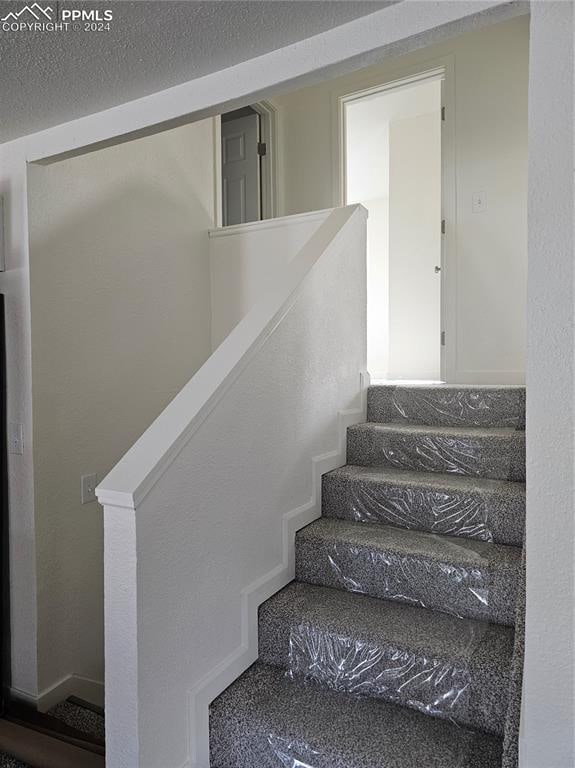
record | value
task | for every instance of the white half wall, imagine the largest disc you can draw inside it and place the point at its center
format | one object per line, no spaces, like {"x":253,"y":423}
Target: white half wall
{"x":202,"y":511}
{"x":490,"y":68}
{"x":244,"y":261}
{"x":121,"y":315}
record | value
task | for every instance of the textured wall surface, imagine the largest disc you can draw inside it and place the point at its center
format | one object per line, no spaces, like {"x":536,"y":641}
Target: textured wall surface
{"x":131,"y":59}
{"x":120,"y":292}
{"x":244,"y":261}
{"x":548,"y":701}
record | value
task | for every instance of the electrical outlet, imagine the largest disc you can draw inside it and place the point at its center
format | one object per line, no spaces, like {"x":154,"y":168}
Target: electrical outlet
{"x":88,"y":487}
{"x":16,"y":439}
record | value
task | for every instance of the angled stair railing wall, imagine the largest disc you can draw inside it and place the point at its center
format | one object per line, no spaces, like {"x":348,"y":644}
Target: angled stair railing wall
{"x":200,"y":515}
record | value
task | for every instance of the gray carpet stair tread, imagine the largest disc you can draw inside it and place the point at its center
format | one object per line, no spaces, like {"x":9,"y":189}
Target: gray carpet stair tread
{"x":73,"y":715}
{"x":405,"y":593}
{"x":472,"y":579}
{"x":447,"y":405}
{"x":7,"y":761}
{"x":439,"y":548}
{"x":496,"y":453}
{"x":473,"y":507}
{"x":442,"y":665}
{"x":81,"y":718}
{"x":460,"y":432}
{"x":266,"y":720}
{"x":436,"y":480}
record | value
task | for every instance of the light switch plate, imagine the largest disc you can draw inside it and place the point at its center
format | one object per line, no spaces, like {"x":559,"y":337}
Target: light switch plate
{"x":479,"y":202}
{"x":88,"y":488}
{"x":16,"y":438}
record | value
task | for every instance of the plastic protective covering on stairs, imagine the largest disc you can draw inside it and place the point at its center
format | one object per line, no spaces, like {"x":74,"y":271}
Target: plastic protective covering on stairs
{"x":350,"y":665}
{"x":400,"y":575}
{"x":463,"y":406}
{"x":448,"y":451}
{"x":440,"y":687}
{"x":437,"y":685}
{"x":287,"y":752}
{"x":292,"y":753}
{"x":457,"y":512}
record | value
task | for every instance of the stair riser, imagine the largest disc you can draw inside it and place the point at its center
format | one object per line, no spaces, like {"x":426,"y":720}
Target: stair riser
{"x":455,"y":690}
{"x":482,"y":592}
{"x":449,"y":406}
{"x":494,"y":515}
{"x":494,"y":457}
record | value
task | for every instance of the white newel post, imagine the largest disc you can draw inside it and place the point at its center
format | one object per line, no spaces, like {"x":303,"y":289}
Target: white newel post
{"x":121,"y":635}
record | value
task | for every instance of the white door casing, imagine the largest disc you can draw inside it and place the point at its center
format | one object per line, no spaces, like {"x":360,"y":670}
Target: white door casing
{"x":442,"y":70}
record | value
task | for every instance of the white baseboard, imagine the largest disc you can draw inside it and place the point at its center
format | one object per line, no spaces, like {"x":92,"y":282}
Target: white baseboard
{"x":219,"y":678}
{"x":70,"y":685}
{"x":490,"y":377}
{"x":23,"y":696}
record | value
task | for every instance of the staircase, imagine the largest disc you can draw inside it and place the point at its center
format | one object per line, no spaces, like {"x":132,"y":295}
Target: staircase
{"x":393,"y":646}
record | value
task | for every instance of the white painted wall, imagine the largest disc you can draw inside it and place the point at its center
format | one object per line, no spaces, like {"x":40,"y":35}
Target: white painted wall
{"x":208,"y":500}
{"x":490,"y":91}
{"x":120,"y":299}
{"x":547,"y":733}
{"x":244,"y":261}
{"x":415,"y":244}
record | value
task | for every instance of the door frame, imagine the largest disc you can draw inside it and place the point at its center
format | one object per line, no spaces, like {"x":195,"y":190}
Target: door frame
{"x":269,"y":189}
{"x":269,"y":161}
{"x":438,"y":69}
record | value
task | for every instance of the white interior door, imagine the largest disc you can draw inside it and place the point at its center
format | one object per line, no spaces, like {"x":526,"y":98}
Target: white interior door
{"x":393,"y":166}
{"x":240,"y":170}
{"x":415,"y":245}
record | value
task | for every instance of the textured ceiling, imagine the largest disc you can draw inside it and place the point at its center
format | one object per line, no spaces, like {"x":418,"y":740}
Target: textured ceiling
{"x":47,"y":78}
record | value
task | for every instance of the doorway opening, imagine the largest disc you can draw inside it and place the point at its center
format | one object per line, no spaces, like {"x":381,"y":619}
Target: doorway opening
{"x":393,"y":163}
{"x":248,"y":173}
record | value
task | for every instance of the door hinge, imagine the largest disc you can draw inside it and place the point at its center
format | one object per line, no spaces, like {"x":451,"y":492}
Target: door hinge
{"x":443,"y":113}
{"x":262,"y":148}
{"x":442,"y":226}
{"x":442,"y":338}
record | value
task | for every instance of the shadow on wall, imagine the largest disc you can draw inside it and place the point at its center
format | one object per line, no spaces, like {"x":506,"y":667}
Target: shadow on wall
{"x":120,"y":293}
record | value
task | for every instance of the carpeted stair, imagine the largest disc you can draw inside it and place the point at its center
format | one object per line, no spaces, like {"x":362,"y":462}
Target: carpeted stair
{"x":78,"y":719}
{"x":393,"y":648}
